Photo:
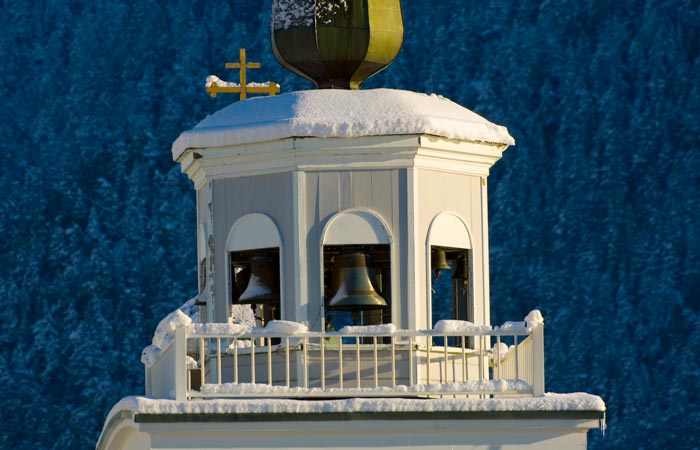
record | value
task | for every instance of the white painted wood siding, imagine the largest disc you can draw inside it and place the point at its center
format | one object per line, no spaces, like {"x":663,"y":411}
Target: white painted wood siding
{"x":440,"y":192}
{"x":236,"y":197}
{"x":329,"y":192}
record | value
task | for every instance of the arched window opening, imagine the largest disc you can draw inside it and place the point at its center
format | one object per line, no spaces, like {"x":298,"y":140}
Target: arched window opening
{"x":255,"y":281}
{"x":253,"y":247}
{"x":357,"y":284}
{"x":450,"y":267}
{"x":357,"y":270}
{"x":450,"y":286}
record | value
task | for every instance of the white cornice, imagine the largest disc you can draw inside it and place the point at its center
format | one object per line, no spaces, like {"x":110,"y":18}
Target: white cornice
{"x":311,"y":154}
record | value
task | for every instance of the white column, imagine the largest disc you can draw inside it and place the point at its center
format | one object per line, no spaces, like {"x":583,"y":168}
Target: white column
{"x":415,"y":312}
{"x":179,"y":346}
{"x":485,"y":252}
{"x":300,"y":312}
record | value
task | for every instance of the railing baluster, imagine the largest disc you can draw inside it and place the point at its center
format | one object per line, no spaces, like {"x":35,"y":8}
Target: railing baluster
{"x":340,"y":361}
{"x":482,"y":344}
{"x":447,"y":378}
{"x":482,"y":355}
{"x":323,"y":362}
{"x":306,"y":363}
{"x":252,"y":360}
{"x":269,"y":361}
{"x":517,"y":371}
{"x":466,"y":366}
{"x":464,"y":358}
{"x":235,"y":360}
{"x":286,"y":341}
{"x":429,"y":349}
{"x":393,"y":360}
{"x":498,"y":358}
{"x":357,"y":352}
{"x":410,"y":361}
{"x":376,"y":363}
{"x":202,"y":357}
{"x":218,"y":359}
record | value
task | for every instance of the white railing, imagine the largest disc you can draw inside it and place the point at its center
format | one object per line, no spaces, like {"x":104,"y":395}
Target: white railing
{"x":168,"y":375}
{"x":523,"y":360}
{"x":234,"y":362}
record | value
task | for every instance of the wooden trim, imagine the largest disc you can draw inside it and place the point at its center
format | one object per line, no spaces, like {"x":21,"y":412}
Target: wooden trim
{"x":253,"y":231}
{"x":351,"y":416}
{"x":117,"y":423}
{"x":374,"y":152}
{"x":299,"y":250}
{"x":485,"y":280}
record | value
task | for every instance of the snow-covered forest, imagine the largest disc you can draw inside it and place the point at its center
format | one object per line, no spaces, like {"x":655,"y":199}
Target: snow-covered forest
{"x":595,"y":214}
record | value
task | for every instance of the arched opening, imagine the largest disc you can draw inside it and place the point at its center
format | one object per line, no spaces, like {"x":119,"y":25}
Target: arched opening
{"x":356,"y":269}
{"x":448,"y":252}
{"x":254,"y":250}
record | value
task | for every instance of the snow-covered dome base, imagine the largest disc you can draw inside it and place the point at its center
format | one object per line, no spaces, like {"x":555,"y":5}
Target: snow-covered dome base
{"x":331,"y":113}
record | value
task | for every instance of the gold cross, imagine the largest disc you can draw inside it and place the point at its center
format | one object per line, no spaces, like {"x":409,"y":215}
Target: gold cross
{"x":217,"y":86}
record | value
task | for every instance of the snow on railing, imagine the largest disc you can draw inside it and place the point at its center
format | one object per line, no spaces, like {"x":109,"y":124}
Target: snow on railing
{"x":285,"y":360}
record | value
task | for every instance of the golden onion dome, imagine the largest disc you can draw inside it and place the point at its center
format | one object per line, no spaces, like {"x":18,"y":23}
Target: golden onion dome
{"x":336,"y":43}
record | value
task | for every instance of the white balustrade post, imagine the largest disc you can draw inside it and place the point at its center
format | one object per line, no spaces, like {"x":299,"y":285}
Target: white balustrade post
{"x":149,"y":388}
{"x":180,"y":362}
{"x":538,"y":360}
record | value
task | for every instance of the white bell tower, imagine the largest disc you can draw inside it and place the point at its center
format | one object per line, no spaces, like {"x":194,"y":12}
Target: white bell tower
{"x":355,"y":224}
{"x":396,"y":175}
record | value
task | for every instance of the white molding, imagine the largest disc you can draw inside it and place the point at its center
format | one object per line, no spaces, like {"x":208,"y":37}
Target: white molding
{"x":448,"y":229}
{"x":374,"y":152}
{"x":474,"y":434}
{"x":471,"y":434}
{"x":253,"y":231}
{"x":356,"y":226}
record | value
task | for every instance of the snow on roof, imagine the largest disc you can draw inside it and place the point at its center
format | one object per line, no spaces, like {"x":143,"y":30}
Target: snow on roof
{"x":549,"y":402}
{"x":327,"y":113}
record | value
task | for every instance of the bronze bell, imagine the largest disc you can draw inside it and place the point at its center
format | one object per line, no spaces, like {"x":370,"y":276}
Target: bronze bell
{"x":353,"y":290}
{"x":461,"y":273}
{"x":264,"y":283}
{"x":461,"y":270}
{"x":438,"y":261}
{"x":241,"y":276}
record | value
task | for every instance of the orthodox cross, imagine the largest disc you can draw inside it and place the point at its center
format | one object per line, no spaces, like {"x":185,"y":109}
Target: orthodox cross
{"x":218,"y":86}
